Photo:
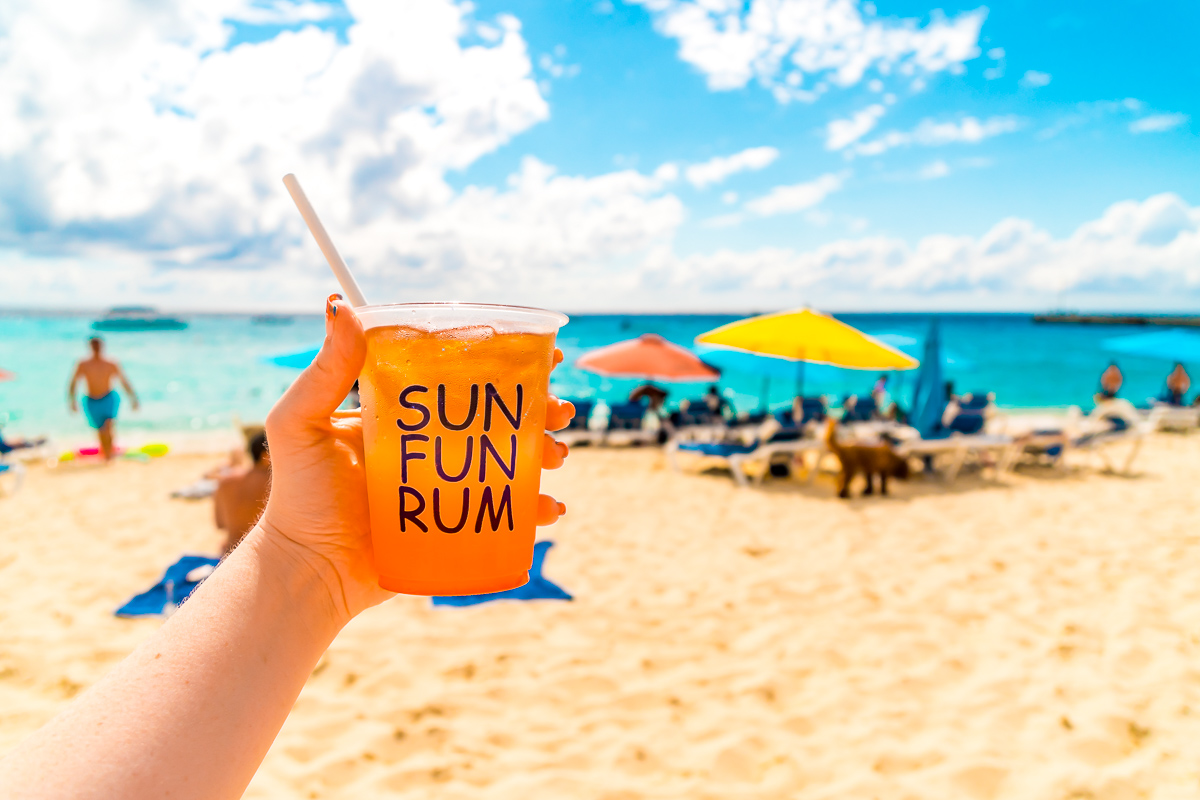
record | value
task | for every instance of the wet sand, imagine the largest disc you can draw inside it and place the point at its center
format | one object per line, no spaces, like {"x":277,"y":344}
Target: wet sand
{"x":1036,"y":638}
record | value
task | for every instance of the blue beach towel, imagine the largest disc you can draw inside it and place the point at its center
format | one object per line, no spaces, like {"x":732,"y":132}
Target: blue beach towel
{"x":153,"y":602}
{"x":538,"y":588}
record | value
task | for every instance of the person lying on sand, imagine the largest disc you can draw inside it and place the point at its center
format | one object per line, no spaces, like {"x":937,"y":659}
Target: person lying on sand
{"x":101,"y":402}
{"x":241,"y":494}
{"x":192,"y":712}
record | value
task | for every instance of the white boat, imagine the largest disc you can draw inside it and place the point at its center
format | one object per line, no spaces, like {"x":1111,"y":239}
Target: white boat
{"x":137,"y":318}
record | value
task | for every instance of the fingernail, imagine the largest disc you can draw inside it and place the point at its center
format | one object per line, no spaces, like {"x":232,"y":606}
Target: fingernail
{"x":563,"y":448}
{"x":330,"y":309}
{"x":562,"y":509}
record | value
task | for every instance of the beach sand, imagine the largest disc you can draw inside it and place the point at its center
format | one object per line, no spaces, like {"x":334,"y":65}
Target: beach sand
{"x":1037,"y":638}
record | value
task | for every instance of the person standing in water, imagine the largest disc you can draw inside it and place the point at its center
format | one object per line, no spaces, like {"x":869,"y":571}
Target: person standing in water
{"x":101,"y":401}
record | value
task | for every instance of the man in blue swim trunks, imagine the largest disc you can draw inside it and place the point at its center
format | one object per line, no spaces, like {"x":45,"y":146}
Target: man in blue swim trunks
{"x":101,"y":402}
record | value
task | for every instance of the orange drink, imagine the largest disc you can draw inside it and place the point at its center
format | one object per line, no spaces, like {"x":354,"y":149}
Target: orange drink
{"x":454,"y":416}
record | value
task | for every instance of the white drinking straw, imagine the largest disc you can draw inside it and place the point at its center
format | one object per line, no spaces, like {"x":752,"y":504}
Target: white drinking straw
{"x":340,"y":270}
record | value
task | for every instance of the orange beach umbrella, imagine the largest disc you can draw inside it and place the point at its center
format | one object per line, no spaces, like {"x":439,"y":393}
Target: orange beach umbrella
{"x":650,"y":357}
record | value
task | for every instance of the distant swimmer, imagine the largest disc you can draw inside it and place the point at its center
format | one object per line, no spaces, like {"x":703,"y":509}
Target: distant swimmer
{"x":1110,"y":383}
{"x":101,"y":402}
{"x":242,"y":494}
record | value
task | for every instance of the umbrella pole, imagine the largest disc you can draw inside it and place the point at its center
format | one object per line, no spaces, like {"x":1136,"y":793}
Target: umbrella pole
{"x":764,"y":399}
{"x":800,"y":378}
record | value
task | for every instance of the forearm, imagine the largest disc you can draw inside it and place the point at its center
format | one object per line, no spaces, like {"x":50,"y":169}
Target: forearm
{"x":192,"y":712}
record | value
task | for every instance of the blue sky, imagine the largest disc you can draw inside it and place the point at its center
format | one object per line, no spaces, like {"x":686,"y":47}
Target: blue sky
{"x":634,"y":102}
{"x":605,"y":154}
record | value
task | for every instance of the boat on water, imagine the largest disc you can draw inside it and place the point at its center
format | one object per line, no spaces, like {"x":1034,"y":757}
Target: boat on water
{"x":272,"y":319}
{"x":137,"y":318}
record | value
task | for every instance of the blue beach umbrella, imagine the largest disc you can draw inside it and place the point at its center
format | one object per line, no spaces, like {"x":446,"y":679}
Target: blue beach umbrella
{"x":1173,"y":345}
{"x":929,"y":397}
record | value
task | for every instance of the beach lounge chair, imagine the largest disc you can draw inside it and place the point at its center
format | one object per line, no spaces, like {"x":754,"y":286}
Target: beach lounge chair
{"x":696,"y":412}
{"x":955,"y":448}
{"x":1113,"y":422}
{"x":580,"y":430}
{"x":12,"y":477}
{"x":961,"y":437}
{"x":28,"y":450}
{"x":627,"y":425}
{"x":1169,"y":417}
{"x":778,"y":440}
{"x":746,"y":462}
{"x":696,"y":422}
{"x":858,"y":409}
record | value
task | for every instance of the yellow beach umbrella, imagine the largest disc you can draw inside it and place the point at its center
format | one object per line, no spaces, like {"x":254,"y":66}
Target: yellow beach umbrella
{"x":807,"y":335}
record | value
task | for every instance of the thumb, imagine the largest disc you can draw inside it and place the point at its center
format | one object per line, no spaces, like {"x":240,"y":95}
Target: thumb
{"x":324,"y":384}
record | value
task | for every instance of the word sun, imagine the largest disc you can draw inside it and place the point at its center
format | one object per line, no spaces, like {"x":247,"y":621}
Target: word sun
{"x":475,"y":460}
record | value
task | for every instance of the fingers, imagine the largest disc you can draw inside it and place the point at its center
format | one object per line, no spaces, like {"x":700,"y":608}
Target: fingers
{"x":559,"y":413}
{"x":549,"y":510}
{"x":553,"y":453}
{"x":322,"y":387}
{"x":558,"y":357}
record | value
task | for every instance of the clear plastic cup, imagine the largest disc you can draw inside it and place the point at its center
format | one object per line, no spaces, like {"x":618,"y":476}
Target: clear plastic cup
{"x":454,"y":415}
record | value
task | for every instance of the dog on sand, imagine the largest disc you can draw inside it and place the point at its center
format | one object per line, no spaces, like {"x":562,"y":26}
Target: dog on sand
{"x":869,"y":459}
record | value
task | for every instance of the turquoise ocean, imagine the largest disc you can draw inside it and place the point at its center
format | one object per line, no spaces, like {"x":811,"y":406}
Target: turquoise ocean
{"x":197,"y":379}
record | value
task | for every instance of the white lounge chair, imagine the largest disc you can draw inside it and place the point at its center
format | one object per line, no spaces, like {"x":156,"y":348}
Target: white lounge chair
{"x":958,"y":447}
{"x":1113,"y":422}
{"x":1167,"y":417}
{"x":742,"y":459}
{"x":12,"y":476}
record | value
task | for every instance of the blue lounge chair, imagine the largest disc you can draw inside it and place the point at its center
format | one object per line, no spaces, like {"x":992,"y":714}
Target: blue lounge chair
{"x":579,"y":430}
{"x":583,"y":413}
{"x":626,"y":425}
{"x":696,"y":412}
{"x":858,"y":409}
{"x":11,"y":478}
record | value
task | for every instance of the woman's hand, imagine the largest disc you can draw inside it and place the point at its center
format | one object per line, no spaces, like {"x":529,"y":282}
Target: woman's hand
{"x":318,"y":505}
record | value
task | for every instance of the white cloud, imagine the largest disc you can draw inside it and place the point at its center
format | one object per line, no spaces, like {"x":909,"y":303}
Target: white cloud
{"x":931,"y":133}
{"x":729,"y":198}
{"x":1088,"y":112}
{"x":996,"y":71}
{"x":1034,"y":79}
{"x":141,"y":157}
{"x":797,"y":197}
{"x":723,"y":221}
{"x":718,"y":169}
{"x":142,"y":129}
{"x":842,"y":132}
{"x":1156,"y":123}
{"x":1152,"y":245}
{"x":934,"y":170}
{"x":784,"y":42}
{"x":282,"y":12}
